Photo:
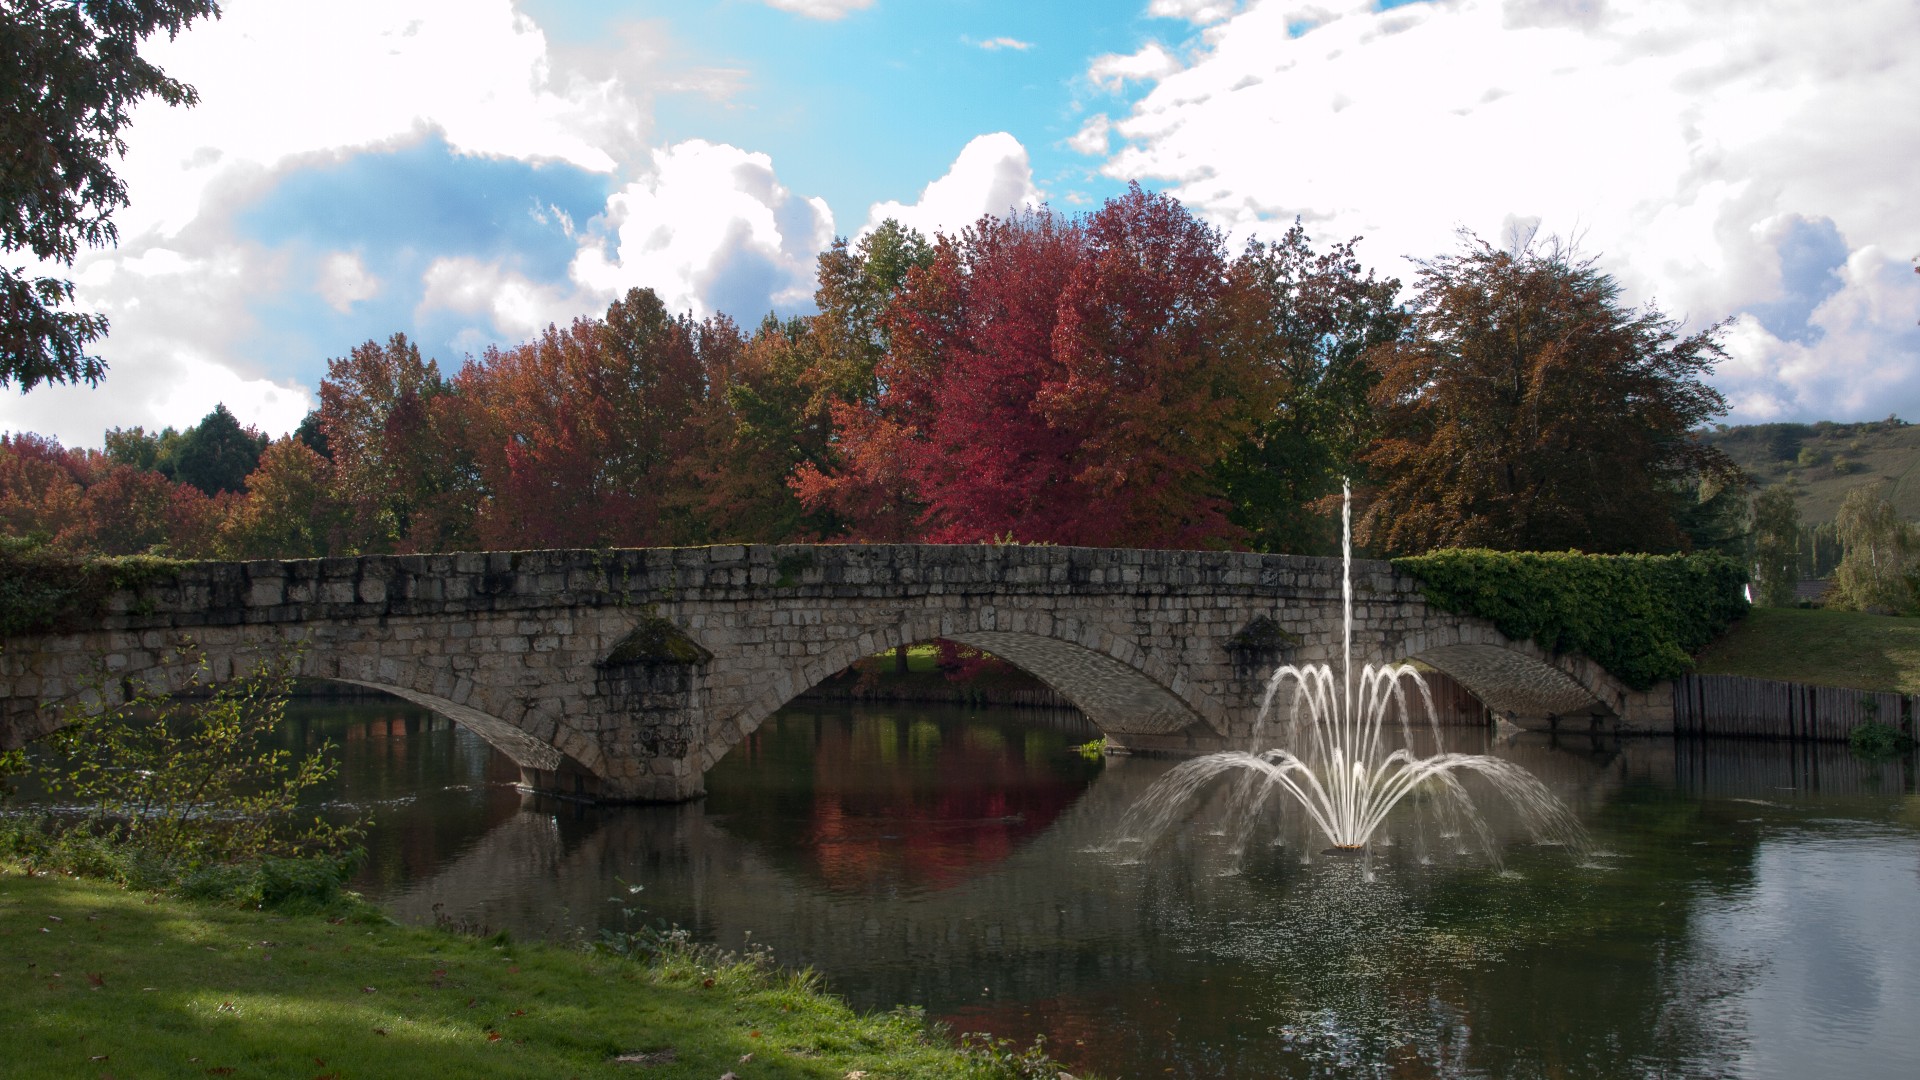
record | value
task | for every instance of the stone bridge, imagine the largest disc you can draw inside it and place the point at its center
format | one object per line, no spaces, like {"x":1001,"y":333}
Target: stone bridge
{"x":623,"y":675}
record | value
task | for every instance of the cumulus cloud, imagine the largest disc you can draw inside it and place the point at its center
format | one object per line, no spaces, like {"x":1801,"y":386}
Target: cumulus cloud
{"x":1114,"y":71}
{"x":516,"y":307}
{"x":998,"y":43}
{"x":1724,"y":158}
{"x":821,"y":9}
{"x":711,"y":229}
{"x":344,"y":281}
{"x":257,"y":200}
{"x":990,"y":176}
{"x":178,"y":309}
{"x":1092,"y":137}
{"x":1198,"y":12}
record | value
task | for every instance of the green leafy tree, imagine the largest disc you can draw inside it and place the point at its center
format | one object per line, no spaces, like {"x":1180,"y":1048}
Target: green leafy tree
{"x":196,"y":778}
{"x":216,"y":454}
{"x":73,"y":75}
{"x":1312,"y":317}
{"x":1877,"y":551}
{"x":1527,"y":410}
{"x":1776,"y":545}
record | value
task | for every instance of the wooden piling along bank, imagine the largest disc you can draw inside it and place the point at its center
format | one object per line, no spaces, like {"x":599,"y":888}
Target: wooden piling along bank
{"x":1734,"y":705}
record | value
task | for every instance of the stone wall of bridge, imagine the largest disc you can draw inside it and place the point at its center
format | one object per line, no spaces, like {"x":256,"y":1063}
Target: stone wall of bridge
{"x":625,"y":674}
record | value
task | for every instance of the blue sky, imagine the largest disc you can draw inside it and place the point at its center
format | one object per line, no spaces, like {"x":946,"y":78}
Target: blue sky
{"x":467,"y":171}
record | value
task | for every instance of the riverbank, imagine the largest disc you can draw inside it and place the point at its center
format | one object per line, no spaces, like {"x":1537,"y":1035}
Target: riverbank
{"x":1820,"y":647}
{"x":111,"y":982}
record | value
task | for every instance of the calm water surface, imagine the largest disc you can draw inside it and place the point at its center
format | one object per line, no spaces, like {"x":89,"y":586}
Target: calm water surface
{"x":1748,"y":910}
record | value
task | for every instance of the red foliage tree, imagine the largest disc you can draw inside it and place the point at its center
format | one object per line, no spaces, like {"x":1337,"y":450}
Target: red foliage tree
{"x":574,"y":436}
{"x":1055,"y":380}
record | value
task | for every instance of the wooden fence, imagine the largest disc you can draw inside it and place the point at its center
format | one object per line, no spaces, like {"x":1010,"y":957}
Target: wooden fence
{"x":1764,"y":709}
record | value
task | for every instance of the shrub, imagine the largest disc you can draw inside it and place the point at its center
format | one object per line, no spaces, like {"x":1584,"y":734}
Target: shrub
{"x":1642,"y":617}
{"x":194,"y":782}
{"x":1877,"y":741}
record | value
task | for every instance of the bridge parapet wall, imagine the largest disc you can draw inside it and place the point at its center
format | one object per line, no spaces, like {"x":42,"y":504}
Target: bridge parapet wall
{"x":1154,"y":645}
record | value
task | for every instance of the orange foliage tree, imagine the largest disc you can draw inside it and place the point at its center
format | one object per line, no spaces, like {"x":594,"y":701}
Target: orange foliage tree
{"x":1528,"y":410}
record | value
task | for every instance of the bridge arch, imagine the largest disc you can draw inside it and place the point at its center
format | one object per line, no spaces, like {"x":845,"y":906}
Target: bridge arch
{"x":170,"y":663}
{"x":1518,"y":680}
{"x":1120,"y":687}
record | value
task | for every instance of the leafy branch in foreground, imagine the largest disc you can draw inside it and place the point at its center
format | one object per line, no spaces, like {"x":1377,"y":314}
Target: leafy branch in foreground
{"x":194,"y":778}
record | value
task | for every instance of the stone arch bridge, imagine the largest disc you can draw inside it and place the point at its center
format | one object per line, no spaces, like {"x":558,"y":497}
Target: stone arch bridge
{"x":623,"y":675}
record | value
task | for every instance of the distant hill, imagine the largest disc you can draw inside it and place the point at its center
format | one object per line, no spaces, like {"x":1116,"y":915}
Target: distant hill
{"x":1826,"y":460}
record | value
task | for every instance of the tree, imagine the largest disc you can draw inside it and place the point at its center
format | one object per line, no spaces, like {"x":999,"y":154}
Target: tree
{"x":1877,"y":553}
{"x":216,"y":454}
{"x":1776,"y":545}
{"x":575,"y":435}
{"x":42,"y":486}
{"x":1313,"y":317}
{"x":74,"y":74}
{"x":1053,"y":379}
{"x":1526,"y":409}
{"x":749,"y":435}
{"x":289,"y":511}
{"x":395,"y":447}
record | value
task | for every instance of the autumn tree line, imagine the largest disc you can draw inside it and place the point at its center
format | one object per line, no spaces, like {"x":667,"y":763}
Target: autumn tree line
{"x":1118,"y":378}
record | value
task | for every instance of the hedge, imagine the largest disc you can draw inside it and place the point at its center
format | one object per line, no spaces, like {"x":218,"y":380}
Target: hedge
{"x":1642,"y":617}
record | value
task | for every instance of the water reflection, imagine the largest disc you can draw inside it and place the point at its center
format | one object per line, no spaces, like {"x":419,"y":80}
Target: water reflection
{"x":1749,"y":913}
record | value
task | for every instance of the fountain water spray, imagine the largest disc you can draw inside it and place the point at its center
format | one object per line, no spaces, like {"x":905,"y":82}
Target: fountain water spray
{"x":1335,"y":763}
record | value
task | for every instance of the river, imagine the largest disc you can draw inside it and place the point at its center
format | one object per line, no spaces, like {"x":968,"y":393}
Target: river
{"x":1747,"y":909}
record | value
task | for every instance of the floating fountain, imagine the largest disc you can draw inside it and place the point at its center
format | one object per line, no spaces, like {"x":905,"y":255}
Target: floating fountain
{"x":1336,"y":764}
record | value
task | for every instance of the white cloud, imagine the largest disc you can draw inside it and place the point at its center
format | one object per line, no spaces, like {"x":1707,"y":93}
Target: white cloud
{"x":516,"y":307}
{"x":991,"y":176}
{"x":711,"y":229}
{"x":1198,"y":12}
{"x":821,"y":9}
{"x":1092,"y":138}
{"x":178,"y":312}
{"x":1667,"y":134}
{"x":344,"y":281}
{"x":999,"y":43}
{"x":1114,"y":71}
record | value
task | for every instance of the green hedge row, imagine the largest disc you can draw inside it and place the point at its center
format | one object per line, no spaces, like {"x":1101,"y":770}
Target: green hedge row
{"x":1642,"y":617}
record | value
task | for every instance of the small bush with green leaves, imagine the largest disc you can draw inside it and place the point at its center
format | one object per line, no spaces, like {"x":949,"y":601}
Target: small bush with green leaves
{"x":1877,"y":741}
{"x":188,"y":794}
{"x":1642,"y":617}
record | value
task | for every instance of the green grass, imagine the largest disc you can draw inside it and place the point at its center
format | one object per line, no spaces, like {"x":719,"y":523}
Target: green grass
{"x":112,"y":983}
{"x":1822,"y":647}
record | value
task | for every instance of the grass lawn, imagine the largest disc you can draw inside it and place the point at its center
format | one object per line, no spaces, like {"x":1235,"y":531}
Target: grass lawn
{"x":112,"y":983}
{"x":1820,"y":646}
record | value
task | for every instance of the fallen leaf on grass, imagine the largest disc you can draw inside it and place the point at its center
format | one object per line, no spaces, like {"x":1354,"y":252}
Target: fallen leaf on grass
{"x":379,"y":1031}
{"x":728,"y":1075}
{"x":98,"y":1057}
{"x":368,"y":990}
{"x":96,"y":980}
{"x":857,"y":1074}
{"x":493,"y":1036}
{"x":744,"y":1058}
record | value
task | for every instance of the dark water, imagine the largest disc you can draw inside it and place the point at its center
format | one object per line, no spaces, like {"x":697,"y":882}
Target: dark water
{"x":1747,"y":910}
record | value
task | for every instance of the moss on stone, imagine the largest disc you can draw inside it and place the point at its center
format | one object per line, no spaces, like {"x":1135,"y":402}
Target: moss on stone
{"x":656,"y":641}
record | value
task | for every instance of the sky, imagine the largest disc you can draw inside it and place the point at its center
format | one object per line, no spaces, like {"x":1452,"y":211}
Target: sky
{"x":469,"y":171}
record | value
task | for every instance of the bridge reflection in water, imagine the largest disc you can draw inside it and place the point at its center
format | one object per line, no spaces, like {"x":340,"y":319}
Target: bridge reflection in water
{"x":964,"y":864}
